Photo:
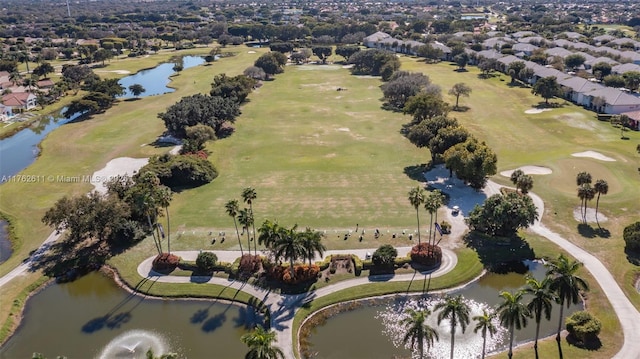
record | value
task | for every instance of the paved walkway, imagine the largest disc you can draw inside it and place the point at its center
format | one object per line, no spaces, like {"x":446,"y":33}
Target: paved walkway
{"x":283,"y":306}
{"x":24,"y":266}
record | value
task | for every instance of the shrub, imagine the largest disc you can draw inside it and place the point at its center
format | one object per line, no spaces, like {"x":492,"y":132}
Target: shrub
{"x":206,"y":261}
{"x":303,"y":273}
{"x":584,"y":326}
{"x":357,"y":265}
{"x":631,"y":235}
{"x":400,"y":261}
{"x":384,"y":256}
{"x":249,"y":264}
{"x":165,"y":262}
{"x":181,"y":171}
{"x":325,"y":263}
{"x":426,"y":254}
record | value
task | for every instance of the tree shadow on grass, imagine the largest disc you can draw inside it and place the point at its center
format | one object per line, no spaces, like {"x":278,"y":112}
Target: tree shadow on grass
{"x":587,"y":231}
{"x":591,"y":344}
{"x":416,"y":172}
{"x":632,"y":256}
{"x":461,"y":109}
{"x":498,"y":254}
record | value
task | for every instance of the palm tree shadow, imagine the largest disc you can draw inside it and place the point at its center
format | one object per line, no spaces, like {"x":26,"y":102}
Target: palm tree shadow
{"x":587,"y":231}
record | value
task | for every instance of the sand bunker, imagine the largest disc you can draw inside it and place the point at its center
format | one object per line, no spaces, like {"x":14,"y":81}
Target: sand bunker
{"x":115,"y":167}
{"x":120,"y":72}
{"x":251,"y":52}
{"x":533,"y":111}
{"x":591,"y":215}
{"x":593,"y":154}
{"x":529,"y":170}
{"x":344,"y":129}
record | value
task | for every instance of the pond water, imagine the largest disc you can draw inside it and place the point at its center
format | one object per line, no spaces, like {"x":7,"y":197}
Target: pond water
{"x":155,"y":80}
{"x":93,"y":318}
{"x":372,"y":331}
{"x":5,"y":243}
{"x":20,"y":150}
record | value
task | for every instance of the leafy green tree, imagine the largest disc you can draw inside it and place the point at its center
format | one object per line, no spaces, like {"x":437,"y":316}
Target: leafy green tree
{"x":566,"y":285}
{"x":76,"y":75}
{"x":515,"y":175}
{"x":574,"y":61}
{"x":456,"y":310}
{"x":446,"y":138}
{"x":425,"y":106}
{"x":137,"y":89}
{"x":212,"y":111}
{"x":514,"y":69}
{"x":384,"y":256}
{"x":632,"y":80}
{"x":232,"y":209}
{"x":269,"y":64}
{"x":206,"y":261}
{"x":260,"y":342}
{"x":248,"y":196}
{"x":503,"y":215}
{"x":513,"y":314}
{"x":631,"y":236}
{"x":600,"y":187}
{"x":601,"y":70}
{"x":236,"y":87}
{"x":43,"y":69}
{"x":371,"y":62}
{"x":421,"y":133}
{"x":525,"y":183}
{"x":484,"y":324}
{"x":82,"y":106}
{"x":255,"y":73}
{"x":547,"y":87}
{"x":102,"y":55}
{"x":460,"y":89}
{"x":430,"y":53}
{"x":616,"y":81}
{"x":472,"y":161}
{"x":417,"y":198}
{"x":196,"y":138}
{"x":283,"y":47}
{"x":323,"y":52}
{"x":541,"y":302}
{"x":417,"y":331}
{"x":347,"y":50}
{"x":461,"y":60}
{"x":583,"y":325}
{"x":181,"y":171}
{"x":402,"y":86}
{"x":109,"y":87}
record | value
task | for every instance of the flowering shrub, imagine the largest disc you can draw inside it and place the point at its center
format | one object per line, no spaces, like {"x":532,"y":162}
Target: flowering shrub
{"x":303,"y":273}
{"x":249,"y":263}
{"x":426,"y":254}
{"x":165,"y":262}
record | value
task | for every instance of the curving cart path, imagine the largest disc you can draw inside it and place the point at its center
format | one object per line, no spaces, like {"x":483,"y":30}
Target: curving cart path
{"x":283,"y":306}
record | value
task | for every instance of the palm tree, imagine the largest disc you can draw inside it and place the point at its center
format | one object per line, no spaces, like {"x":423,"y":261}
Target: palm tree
{"x":432,"y":204}
{"x":582,"y":178}
{"x":418,"y":330}
{"x":565,"y":284}
{"x":585,"y":193}
{"x":416,"y":198}
{"x":232,"y":210}
{"x":15,"y":77}
{"x":246,"y":219}
{"x":289,"y":246}
{"x":311,"y":241}
{"x":457,"y":311}
{"x":513,"y":314}
{"x":164,"y":199}
{"x":541,"y":302}
{"x":601,"y":187}
{"x":485,"y":324}
{"x":260,"y":343}
{"x":269,"y":232}
{"x":248,"y":196}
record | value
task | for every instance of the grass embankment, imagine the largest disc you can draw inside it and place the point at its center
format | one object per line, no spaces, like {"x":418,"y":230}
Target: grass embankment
{"x":81,"y":148}
{"x":468,"y":268}
{"x":496,"y":115}
{"x":14,"y":297}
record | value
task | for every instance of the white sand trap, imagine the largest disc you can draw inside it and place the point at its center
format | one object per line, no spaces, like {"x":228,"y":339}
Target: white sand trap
{"x":115,"y":167}
{"x":344,"y":129}
{"x":251,"y":52}
{"x":593,"y":154}
{"x":120,"y":72}
{"x":533,"y":111}
{"x":317,"y":67}
{"x":529,"y":170}
{"x":591,"y":215}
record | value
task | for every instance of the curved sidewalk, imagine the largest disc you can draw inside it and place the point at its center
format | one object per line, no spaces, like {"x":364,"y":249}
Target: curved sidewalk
{"x":283,"y":306}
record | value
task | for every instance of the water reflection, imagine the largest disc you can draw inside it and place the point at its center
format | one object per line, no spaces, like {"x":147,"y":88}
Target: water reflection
{"x":156,"y":80}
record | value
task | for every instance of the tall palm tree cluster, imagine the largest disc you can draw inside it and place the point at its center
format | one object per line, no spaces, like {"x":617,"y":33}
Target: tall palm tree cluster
{"x":561,"y":285}
{"x":586,"y":193}
{"x":290,"y":244}
{"x":431,"y":203}
{"x":245,"y":217}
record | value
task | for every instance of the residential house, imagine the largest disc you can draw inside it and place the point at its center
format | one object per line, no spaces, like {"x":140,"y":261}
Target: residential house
{"x":524,"y":49}
{"x":19,"y":101}
{"x":576,"y":87}
{"x":632,"y":55}
{"x":623,"y":68}
{"x":603,"y":39}
{"x":519,"y":34}
{"x":616,"y":101}
{"x":446,"y":51}
{"x":573,"y":35}
{"x":540,"y":71}
{"x":634,"y":118}
{"x":589,"y":63}
{"x":535,"y":40}
{"x":558,"y":51}
{"x":563,"y":43}
{"x":607,"y":51}
{"x":5,"y":112}
{"x":583,"y":47}
{"x":625,"y":40}
{"x":496,"y":42}
{"x":373,"y":39}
